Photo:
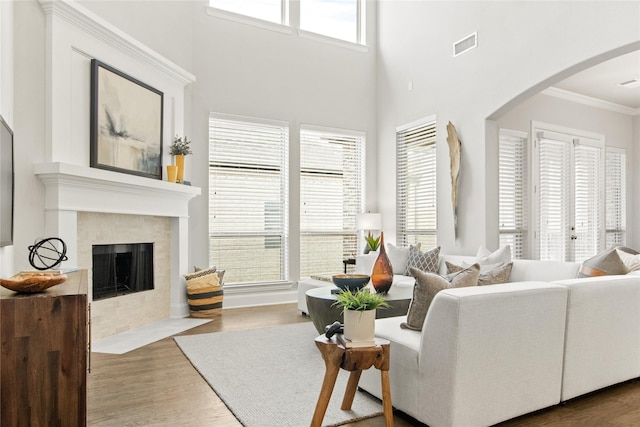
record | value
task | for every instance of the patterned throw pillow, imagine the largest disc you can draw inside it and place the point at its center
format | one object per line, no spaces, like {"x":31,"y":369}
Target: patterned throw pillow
{"x":604,"y":263}
{"x":424,"y":261}
{"x":219,"y":273}
{"x":491,"y":277}
{"x":428,"y":285}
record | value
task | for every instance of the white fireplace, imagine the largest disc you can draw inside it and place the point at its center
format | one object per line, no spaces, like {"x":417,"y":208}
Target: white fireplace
{"x":87,"y":206}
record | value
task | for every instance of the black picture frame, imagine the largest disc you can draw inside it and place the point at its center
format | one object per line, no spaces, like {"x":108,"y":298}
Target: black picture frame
{"x":126,"y":123}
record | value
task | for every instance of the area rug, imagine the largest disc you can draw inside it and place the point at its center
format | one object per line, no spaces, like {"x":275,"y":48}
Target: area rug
{"x":272,"y":376}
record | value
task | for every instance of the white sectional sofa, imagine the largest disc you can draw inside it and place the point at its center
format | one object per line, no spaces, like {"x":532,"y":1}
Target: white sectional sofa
{"x":487,"y":354}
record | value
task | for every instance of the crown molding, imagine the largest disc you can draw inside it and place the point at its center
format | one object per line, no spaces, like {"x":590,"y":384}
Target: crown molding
{"x":590,"y":101}
{"x":85,"y":20}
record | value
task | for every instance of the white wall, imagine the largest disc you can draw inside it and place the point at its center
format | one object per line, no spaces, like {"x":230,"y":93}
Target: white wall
{"x":634,"y":170}
{"x":250,"y":71}
{"x":30,"y":119}
{"x":522,"y":48}
{"x":616,"y":127}
{"x":6,"y":102}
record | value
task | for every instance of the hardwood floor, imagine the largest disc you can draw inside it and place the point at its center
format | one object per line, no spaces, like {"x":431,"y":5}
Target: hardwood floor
{"x":156,"y":386}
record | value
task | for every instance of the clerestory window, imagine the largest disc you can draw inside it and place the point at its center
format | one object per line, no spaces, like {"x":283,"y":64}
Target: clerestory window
{"x":339,"y":19}
{"x":267,"y":10}
{"x":343,"y":20}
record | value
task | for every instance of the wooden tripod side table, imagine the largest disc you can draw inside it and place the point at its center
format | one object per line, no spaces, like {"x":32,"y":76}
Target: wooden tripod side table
{"x":353,"y":360}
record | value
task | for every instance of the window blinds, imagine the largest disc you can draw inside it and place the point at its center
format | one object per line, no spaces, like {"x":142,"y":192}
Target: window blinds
{"x":248,"y":184}
{"x":588,"y":199}
{"x":553,"y":197}
{"x":513,"y":184}
{"x":616,"y":199}
{"x":416,"y":191}
{"x":331,"y":195}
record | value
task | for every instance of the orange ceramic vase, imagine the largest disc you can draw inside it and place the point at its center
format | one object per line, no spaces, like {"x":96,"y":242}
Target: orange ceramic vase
{"x":382,"y":274}
{"x":180,"y":165}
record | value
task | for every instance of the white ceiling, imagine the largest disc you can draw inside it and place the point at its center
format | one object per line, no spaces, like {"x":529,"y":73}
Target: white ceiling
{"x":602,"y":82}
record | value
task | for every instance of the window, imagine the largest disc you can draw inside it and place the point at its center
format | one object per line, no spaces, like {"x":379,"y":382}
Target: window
{"x":331,"y":194}
{"x":513,"y":184}
{"x":339,"y":19}
{"x":342,"y":20}
{"x":248,"y":199}
{"x":267,"y":10}
{"x":416,"y":202}
{"x":616,"y":196}
{"x":570,"y":193}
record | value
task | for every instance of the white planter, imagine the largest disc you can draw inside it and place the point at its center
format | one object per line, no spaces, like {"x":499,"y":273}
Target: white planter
{"x":359,"y":325}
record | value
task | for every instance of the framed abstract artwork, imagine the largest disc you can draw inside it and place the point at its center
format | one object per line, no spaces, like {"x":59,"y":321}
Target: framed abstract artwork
{"x":126,"y":123}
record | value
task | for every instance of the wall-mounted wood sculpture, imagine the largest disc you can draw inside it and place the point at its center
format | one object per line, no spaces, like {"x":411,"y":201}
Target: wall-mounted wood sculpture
{"x":454,"y":155}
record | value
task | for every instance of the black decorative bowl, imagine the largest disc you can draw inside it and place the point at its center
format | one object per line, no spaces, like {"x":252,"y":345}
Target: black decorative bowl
{"x":350,"y":281}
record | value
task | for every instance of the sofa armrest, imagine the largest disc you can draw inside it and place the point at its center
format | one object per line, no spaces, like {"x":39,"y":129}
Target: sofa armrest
{"x":602,"y":344}
{"x":491,"y":352}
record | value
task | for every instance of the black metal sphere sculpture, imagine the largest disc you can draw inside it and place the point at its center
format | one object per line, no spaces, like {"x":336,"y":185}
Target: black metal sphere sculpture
{"x":46,"y":251}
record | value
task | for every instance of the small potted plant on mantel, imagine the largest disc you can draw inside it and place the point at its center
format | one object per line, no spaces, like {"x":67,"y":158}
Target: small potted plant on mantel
{"x":178,"y":150}
{"x":359,"y":309}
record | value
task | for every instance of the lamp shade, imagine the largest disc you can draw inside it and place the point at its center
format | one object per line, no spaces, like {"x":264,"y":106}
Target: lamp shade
{"x":369,"y":221}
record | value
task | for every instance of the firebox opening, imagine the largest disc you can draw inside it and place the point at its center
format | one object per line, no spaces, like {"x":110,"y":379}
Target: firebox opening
{"x":122,"y":269}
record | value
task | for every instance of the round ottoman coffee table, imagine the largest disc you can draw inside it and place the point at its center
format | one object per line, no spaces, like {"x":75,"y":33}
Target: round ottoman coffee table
{"x":323,"y":312}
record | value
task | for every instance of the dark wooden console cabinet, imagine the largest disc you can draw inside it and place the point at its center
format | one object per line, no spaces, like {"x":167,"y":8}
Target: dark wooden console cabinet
{"x":43,"y":355}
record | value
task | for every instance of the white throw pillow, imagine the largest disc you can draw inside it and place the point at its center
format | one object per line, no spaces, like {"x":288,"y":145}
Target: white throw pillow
{"x":501,"y":256}
{"x":398,"y":257}
{"x":632,"y":262}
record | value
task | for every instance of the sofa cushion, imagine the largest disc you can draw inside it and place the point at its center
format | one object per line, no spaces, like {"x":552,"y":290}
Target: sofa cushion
{"x":398,"y":257}
{"x":604,"y":263}
{"x":632,"y":262}
{"x":494,"y":276}
{"x":424,"y":261}
{"x":428,"y":285}
{"x":499,"y":256}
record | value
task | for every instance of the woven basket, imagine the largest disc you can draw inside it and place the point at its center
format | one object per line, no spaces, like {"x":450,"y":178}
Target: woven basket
{"x":204,"y":293}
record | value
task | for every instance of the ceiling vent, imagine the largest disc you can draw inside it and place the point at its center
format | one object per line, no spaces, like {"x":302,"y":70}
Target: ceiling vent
{"x":465,"y":45}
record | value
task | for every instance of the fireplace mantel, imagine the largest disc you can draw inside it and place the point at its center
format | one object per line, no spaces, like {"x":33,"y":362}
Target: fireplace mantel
{"x":79,"y":188}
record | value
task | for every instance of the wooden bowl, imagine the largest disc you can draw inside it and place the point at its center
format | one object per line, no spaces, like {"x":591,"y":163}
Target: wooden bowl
{"x":33,"y":282}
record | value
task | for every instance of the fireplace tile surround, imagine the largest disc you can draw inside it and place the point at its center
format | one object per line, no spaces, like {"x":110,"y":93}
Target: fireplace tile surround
{"x":114,"y":315}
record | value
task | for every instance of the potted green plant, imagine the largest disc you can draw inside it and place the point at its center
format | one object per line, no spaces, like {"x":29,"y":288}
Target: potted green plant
{"x":373,"y":243}
{"x":359,"y":309}
{"x":178,"y":149}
